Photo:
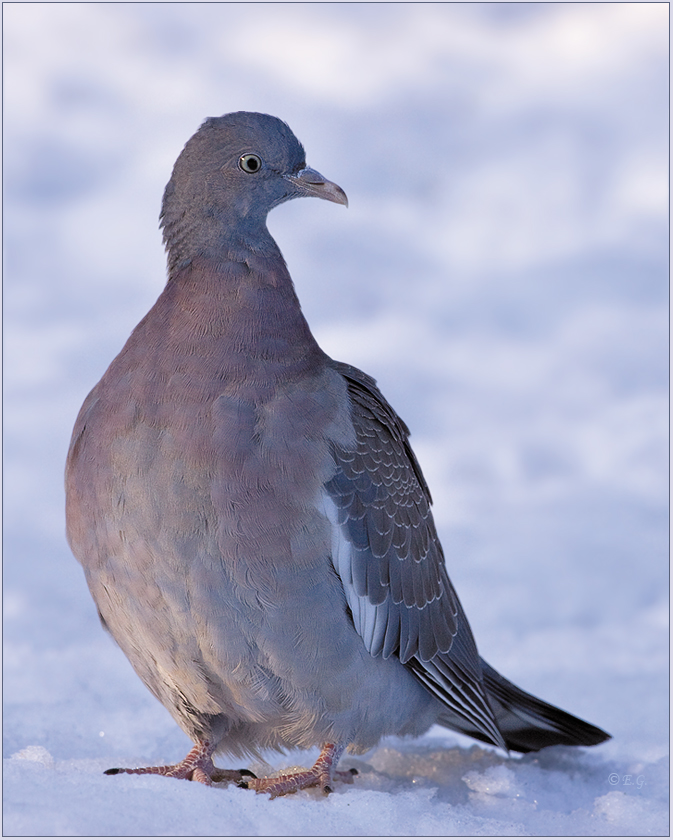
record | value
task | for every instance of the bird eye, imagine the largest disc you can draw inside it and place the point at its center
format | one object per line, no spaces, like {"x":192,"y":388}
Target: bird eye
{"x":250,"y":163}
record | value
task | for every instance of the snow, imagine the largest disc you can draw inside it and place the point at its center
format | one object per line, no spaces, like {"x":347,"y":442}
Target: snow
{"x":502,"y":272}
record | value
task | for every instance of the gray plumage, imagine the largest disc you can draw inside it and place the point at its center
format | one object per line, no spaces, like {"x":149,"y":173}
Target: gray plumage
{"x":252,"y":522}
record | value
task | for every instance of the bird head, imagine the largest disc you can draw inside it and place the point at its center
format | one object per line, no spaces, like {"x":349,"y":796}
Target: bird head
{"x":229,"y":175}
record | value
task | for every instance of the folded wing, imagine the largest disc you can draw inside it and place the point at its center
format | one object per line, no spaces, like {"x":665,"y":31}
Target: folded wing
{"x":389,"y":558}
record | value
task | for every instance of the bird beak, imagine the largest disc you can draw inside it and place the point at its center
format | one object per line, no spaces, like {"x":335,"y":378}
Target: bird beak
{"x":309,"y":182}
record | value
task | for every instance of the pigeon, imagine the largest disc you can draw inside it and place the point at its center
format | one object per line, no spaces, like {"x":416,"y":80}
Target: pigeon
{"x":253,"y":525}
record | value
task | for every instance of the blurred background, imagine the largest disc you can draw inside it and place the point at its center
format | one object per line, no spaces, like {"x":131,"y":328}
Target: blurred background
{"x":502,"y":271}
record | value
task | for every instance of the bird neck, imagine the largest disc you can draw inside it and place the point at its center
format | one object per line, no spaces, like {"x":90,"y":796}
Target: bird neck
{"x":239,"y":312}
{"x":216,"y":236}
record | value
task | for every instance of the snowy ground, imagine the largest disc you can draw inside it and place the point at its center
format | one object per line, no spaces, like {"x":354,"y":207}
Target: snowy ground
{"x":502,"y":271}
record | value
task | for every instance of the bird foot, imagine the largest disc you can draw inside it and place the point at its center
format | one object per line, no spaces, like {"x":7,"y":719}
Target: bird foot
{"x":196,"y":767}
{"x":322,"y":774}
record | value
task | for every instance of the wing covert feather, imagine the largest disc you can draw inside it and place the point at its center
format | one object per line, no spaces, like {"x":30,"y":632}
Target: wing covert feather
{"x":383,"y":506}
{"x":388,"y":555}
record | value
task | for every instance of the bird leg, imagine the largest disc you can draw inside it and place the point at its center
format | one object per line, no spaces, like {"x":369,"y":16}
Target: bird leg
{"x":323,"y":773}
{"x":196,"y":767}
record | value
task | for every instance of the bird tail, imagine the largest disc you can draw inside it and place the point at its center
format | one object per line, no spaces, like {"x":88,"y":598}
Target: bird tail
{"x":528,"y":723}
{"x":525,"y":722}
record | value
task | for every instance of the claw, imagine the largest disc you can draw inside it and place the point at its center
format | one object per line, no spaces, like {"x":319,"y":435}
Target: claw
{"x":197,"y":766}
{"x":322,"y":774}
